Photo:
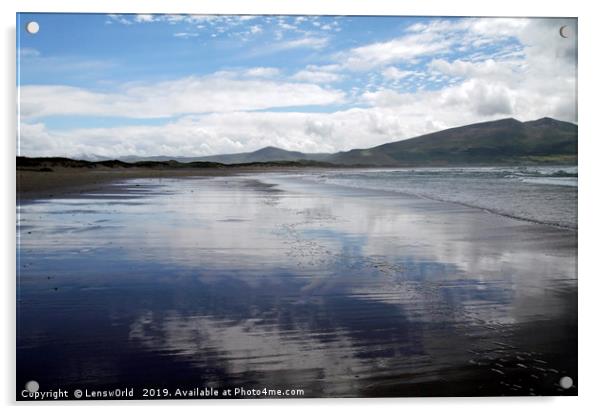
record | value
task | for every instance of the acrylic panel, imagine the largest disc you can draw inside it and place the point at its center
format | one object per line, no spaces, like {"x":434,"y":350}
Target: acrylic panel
{"x":265,"y":206}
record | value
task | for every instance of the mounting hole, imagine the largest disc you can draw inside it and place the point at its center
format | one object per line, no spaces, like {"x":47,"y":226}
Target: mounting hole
{"x":566,"y":382}
{"x":32,"y":386}
{"x":32,"y":27}
{"x":565,"y":32}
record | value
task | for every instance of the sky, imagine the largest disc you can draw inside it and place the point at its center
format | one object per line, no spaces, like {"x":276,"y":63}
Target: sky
{"x":106,"y":86}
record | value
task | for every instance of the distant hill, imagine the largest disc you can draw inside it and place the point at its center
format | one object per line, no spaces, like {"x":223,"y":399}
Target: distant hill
{"x":48,"y":164}
{"x":505,"y":141}
{"x":502,"y":141}
{"x":267,"y":154}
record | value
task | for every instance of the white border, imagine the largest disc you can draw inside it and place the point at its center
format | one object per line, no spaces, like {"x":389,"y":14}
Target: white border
{"x":590,"y":151}
{"x":337,"y":7}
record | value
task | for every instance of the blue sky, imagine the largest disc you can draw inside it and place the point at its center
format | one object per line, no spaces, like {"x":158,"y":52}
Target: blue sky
{"x":97,"y":85}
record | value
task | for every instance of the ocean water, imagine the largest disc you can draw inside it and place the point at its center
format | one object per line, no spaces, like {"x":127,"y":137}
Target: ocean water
{"x":543,"y":194}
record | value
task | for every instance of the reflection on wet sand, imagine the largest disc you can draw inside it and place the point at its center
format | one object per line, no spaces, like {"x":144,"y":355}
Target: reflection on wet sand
{"x":267,"y":281}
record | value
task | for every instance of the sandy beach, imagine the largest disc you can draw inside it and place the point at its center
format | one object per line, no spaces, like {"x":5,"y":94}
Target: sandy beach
{"x":34,"y":183}
{"x":61,"y":181}
{"x":268,"y":280}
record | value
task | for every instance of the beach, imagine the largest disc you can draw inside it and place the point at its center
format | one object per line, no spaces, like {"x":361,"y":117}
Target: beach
{"x":35,"y":184}
{"x":268,"y":279}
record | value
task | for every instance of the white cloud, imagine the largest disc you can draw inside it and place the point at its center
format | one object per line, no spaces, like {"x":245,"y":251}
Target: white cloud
{"x":174,"y":18}
{"x":308,"y":42}
{"x":407,"y":48}
{"x":286,"y":26}
{"x":262,"y":72}
{"x":475,"y":100}
{"x":385,"y":98}
{"x":144,"y":18}
{"x":185,"y":35}
{"x":255,"y":29}
{"x":217,"y":93}
{"x":483,"y":69}
{"x":221,"y":23}
{"x":393,"y":73}
{"x":314,"y":74}
{"x":534,"y":78}
{"x":439,"y":38}
{"x":118,"y":18}
{"x":482,"y":98}
{"x":220,"y":133}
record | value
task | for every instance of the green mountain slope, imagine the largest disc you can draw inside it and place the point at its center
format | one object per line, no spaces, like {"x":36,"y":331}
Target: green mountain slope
{"x":502,"y":141}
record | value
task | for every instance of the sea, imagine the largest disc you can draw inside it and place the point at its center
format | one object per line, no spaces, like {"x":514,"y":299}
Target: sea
{"x":542,"y":194}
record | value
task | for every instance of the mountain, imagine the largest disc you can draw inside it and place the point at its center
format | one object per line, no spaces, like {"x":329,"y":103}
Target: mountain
{"x":503,"y":141}
{"x":267,"y":154}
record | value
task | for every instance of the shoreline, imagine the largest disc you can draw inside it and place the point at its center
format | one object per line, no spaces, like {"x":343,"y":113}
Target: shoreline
{"x":485,"y":210}
{"x":42,"y":178}
{"x":33,"y":185}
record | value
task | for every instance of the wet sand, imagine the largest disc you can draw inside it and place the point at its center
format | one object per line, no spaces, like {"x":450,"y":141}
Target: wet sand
{"x":269,"y":281}
{"x":61,"y":181}
{"x":36,"y":183}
